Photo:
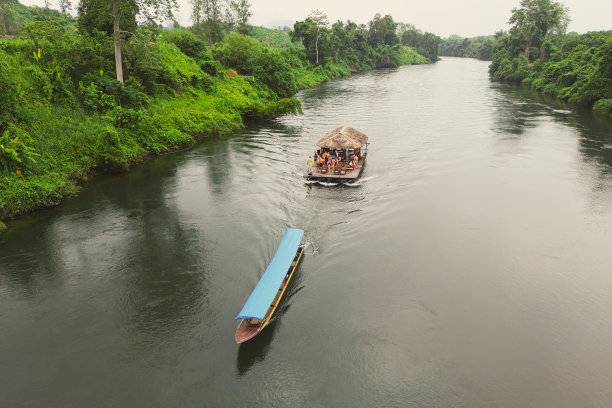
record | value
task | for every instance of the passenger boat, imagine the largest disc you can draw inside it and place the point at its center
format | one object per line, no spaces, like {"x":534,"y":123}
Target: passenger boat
{"x":263,"y":301}
{"x":344,"y":142}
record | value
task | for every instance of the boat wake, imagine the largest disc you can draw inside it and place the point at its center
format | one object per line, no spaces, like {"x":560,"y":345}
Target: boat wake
{"x":314,"y":248}
{"x":360,"y":182}
{"x":321,"y":183}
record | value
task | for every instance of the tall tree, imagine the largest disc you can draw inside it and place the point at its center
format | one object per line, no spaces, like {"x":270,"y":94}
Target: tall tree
{"x":310,"y":32}
{"x":208,"y":17}
{"x":319,"y":19}
{"x":9,"y":21}
{"x":151,"y":9}
{"x":383,"y":31}
{"x":119,"y":16}
{"x":536,"y":20}
{"x":65,"y":6}
{"x":241,"y":11}
{"x":97,"y":15}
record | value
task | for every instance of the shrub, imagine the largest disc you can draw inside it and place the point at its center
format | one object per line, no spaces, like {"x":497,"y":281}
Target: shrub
{"x":187,"y":42}
{"x":271,"y":68}
{"x":603,"y":106}
{"x":238,"y":51}
{"x":15,"y":153}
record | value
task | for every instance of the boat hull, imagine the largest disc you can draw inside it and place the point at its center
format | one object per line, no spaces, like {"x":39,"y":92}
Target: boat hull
{"x":336,"y":177}
{"x":246,"y":331}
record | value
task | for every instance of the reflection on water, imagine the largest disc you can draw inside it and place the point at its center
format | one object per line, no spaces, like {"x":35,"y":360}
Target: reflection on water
{"x":521,"y":108}
{"x":255,"y":350}
{"x":477,"y":238}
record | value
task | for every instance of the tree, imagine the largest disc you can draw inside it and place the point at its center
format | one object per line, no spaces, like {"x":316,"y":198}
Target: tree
{"x":310,"y":32}
{"x":319,"y":20}
{"x":428,"y":44}
{"x":9,"y":21}
{"x":383,"y":31}
{"x":152,"y":10}
{"x":99,"y":14}
{"x":208,"y":19}
{"x":65,"y":6}
{"x":536,"y":20}
{"x":241,"y":11}
{"x":401,"y":27}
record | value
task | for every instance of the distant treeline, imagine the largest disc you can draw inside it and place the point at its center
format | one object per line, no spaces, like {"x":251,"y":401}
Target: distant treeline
{"x":475,"y":47}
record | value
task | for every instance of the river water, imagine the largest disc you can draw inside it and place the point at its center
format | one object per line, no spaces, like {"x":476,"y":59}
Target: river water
{"x":470,"y":266}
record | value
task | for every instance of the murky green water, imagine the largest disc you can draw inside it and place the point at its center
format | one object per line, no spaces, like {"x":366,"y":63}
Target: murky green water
{"x":470,"y":267}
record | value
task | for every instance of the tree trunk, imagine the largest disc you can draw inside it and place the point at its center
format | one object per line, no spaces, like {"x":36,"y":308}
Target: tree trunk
{"x":317,"y":47}
{"x":118,"y":64}
{"x":527,"y":49}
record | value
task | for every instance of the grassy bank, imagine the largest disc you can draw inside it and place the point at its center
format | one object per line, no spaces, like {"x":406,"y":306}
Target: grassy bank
{"x":57,"y":134}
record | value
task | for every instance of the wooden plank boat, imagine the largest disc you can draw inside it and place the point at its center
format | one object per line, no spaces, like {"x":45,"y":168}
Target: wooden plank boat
{"x":346,"y":143}
{"x":263,"y":301}
{"x":340,"y":174}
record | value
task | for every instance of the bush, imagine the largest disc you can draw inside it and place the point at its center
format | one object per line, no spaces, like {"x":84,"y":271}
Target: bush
{"x":238,"y":51}
{"x":187,"y":42}
{"x":603,"y":106}
{"x":271,"y":68}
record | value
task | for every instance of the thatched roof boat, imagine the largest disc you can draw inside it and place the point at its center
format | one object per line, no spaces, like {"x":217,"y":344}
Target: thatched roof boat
{"x":350,"y":146}
{"x":343,"y":138}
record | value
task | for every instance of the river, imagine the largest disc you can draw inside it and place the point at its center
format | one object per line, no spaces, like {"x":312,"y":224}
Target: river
{"x":469,"y":267}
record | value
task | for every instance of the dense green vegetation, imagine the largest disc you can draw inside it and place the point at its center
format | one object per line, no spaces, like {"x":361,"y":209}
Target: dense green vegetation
{"x":354,"y":46}
{"x":14,"y":16}
{"x":574,"y":67}
{"x":426,"y":44}
{"x":64,"y":115}
{"x":273,"y":38}
{"x":476,"y":47}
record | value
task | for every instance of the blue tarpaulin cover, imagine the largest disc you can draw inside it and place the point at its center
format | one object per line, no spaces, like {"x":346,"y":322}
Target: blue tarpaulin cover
{"x":264,"y":293}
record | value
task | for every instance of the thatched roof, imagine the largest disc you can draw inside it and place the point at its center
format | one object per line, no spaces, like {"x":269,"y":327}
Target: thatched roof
{"x":343,"y":138}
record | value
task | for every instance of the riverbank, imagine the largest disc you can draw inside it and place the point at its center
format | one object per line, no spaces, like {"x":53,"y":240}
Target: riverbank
{"x":50,"y":145}
{"x":576,"y":68}
{"x":65,"y":118}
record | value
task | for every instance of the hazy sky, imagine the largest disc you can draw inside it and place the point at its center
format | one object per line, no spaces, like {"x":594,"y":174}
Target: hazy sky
{"x":442,"y":17}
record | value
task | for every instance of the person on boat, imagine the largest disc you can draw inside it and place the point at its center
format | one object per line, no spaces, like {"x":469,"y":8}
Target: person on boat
{"x":309,"y":161}
{"x":355,"y":159}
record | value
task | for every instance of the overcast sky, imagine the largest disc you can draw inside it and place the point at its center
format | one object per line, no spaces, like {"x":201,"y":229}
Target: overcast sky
{"x":467,"y":18}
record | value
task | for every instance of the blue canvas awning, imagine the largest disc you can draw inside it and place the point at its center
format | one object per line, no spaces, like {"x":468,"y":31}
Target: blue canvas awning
{"x":264,"y":293}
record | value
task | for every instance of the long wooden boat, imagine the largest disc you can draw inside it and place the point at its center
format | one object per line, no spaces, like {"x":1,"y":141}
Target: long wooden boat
{"x":263,"y":301}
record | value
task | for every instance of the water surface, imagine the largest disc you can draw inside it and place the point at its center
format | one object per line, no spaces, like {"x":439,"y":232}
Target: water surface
{"x":470,"y":266}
